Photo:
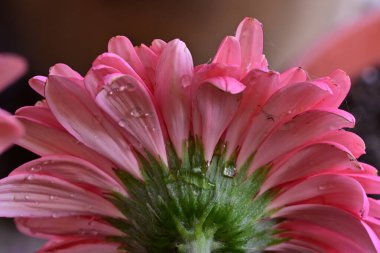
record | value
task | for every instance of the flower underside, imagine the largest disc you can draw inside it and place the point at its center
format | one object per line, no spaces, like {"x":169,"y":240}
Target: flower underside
{"x":194,"y":206}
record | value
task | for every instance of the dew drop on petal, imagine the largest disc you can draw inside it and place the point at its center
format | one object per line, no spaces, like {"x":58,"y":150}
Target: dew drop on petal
{"x":136,"y":112}
{"x":186,"y":80}
{"x":29,"y":177}
{"x":123,"y":123}
{"x":51,"y":197}
{"x":54,"y":215}
{"x":27,"y":197}
{"x":229,"y":171}
{"x":36,"y":168}
{"x":127,"y":87}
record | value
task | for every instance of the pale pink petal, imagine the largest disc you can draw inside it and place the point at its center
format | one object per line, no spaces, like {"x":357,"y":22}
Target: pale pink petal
{"x":94,"y":79}
{"x":293,"y":75}
{"x":340,"y":86}
{"x":11,"y":68}
{"x":259,"y":87}
{"x":80,"y":246}
{"x":37,"y":83}
{"x":122,"y":46}
{"x":311,"y":160}
{"x":158,"y":46}
{"x":63,"y":70}
{"x":44,"y":140}
{"x":327,"y":190}
{"x":228,"y":52}
{"x":370,"y":183}
{"x":373,"y":232}
{"x":300,"y":130}
{"x":33,"y":195}
{"x":250,"y":35}
{"x":39,"y":114}
{"x":216,"y":102}
{"x":72,"y":169}
{"x":174,"y":75}
{"x":149,"y":59}
{"x":130,"y":104}
{"x":331,"y":225}
{"x":374,"y":208}
{"x":89,"y":226}
{"x":82,"y":118}
{"x":10,"y":130}
{"x":350,"y":140}
{"x":282,"y":106}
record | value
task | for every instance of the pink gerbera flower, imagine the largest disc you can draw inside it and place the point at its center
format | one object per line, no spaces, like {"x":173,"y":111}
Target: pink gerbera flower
{"x":147,"y":153}
{"x":11,"y":68}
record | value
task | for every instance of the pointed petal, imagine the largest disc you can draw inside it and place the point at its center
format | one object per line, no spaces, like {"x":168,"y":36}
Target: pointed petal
{"x":284,"y":104}
{"x":71,"y":169}
{"x":149,"y":59}
{"x":63,"y":70}
{"x":250,"y":35}
{"x":174,"y":74}
{"x":82,"y":245}
{"x":37,"y":83}
{"x":94,"y":79}
{"x":330,"y":225}
{"x":311,"y":160}
{"x":370,"y":183}
{"x":45,"y":196}
{"x":82,"y":118}
{"x":216,"y":102}
{"x":39,"y":114}
{"x":327,"y":190}
{"x":79,"y":226}
{"x":11,"y":68}
{"x":340,"y":86}
{"x":10,"y":130}
{"x":130,"y":104}
{"x":158,"y":46}
{"x":228,"y":52}
{"x":293,"y":75}
{"x":300,"y":130}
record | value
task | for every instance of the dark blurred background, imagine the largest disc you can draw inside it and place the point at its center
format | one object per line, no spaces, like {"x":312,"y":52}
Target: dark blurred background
{"x":75,"y":32}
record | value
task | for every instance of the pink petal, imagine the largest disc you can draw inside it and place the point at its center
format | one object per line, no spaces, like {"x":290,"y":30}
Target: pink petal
{"x":80,"y":246}
{"x":296,"y":246}
{"x":293,"y":75}
{"x":94,"y":79}
{"x":44,"y":140}
{"x":88,"y":226}
{"x":82,"y":118}
{"x":284,"y":104}
{"x":374,"y":208}
{"x":63,"y":70}
{"x":228,"y":52}
{"x":340,"y":86}
{"x":130,"y":104}
{"x":215,"y":104}
{"x":350,"y":140}
{"x":39,"y":114}
{"x":259,"y":87}
{"x":327,"y":190}
{"x":330,"y":225}
{"x":31,"y":195}
{"x":300,"y":130}
{"x":250,"y":35}
{"x":370,"y":183}
{"x":149,"y":59}
{"x":71,"y":169}
{"x":174,"y":75}
{"x":122,"y":46}
{"x":37,"y":83}
{"x":10,"y":130}
{"x":158,"y":46}
{"x":11,"y":68}
{"x":311,"y":160}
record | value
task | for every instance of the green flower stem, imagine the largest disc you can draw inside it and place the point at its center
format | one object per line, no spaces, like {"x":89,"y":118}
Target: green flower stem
{"x":201,"y":244}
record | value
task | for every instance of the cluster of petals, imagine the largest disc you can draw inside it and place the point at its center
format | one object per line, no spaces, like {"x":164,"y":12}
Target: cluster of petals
{"x":135,"y":100}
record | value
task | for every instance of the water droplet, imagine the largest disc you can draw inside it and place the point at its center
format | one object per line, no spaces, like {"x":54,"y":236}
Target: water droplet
{"x":229,"y":171}
{"x":290,"y":111}
{"x":36,"y":168}
{"x":137,"y":112}
{"x":27,"y":197}
{"x":186,"y":80}
{"x":51,"y":197}
{"x":29,"y":177}
{"x":72,"y":195}
{"x":197,"y":170}
{"x":322,"y":187}
{"x":93,"y":232}
{"x":127,"y":87}
{"x":54,"y":215}
{"x":123,"y":123}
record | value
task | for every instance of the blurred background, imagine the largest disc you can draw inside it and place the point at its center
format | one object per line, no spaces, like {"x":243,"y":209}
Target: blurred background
{"x":317,"y":35}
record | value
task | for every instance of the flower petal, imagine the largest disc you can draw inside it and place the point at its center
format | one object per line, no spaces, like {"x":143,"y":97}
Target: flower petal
{"x":11,"y":68}
{"x":10,"y":130}
{"x":300,"y":130}
{"x":37,"y":83}
{"x":81,"y":245}
{"x":293,"y":75}
{"x":89,"y":226}
{"x":31,"y":195}
{"x":82,"y":118}
{"x":340,"y":86}
{"x":228,"y":52}
{"x":174,"y":75}
{"x":39,"y":114}
{"x":215,"y":104}
{"x":130,"y":104}
{"x":327,"y":190}
{"x":250,"y":35}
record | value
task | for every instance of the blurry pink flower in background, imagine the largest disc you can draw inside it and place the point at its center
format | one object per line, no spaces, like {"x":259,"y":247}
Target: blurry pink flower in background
{"x":11,"y":68}
{"x":147,"y":153}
